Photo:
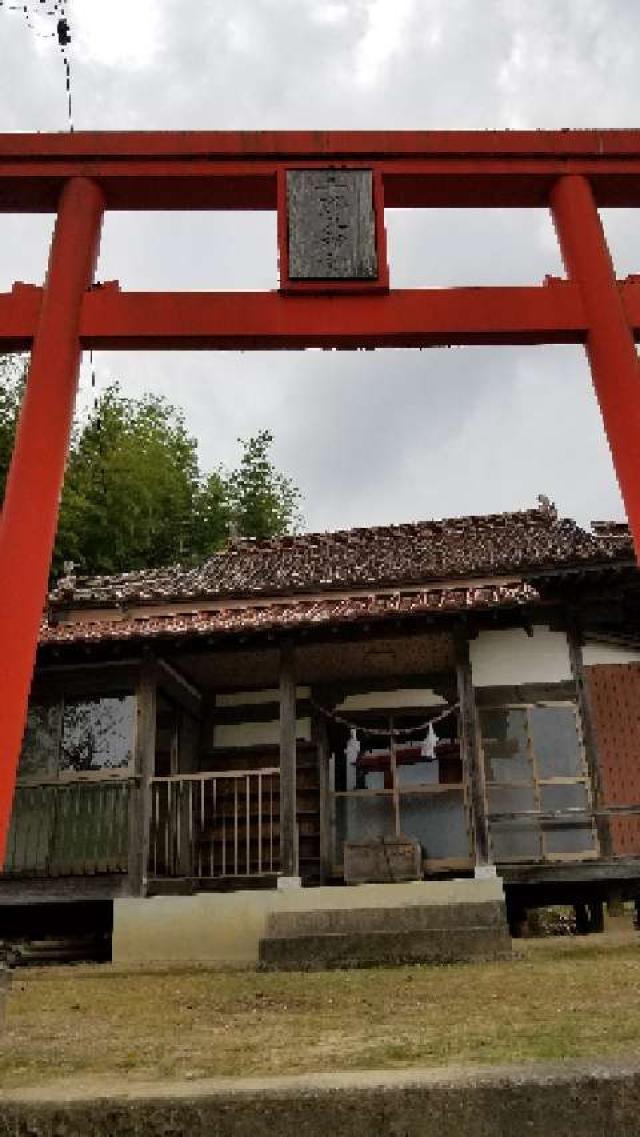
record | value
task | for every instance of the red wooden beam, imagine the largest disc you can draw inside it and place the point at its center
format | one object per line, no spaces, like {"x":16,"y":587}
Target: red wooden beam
{"x":128,"y":321}
{"x":30,"y":508}
{"x":238,"y":170}
{"x":610,"y":342}
{"x":246,"y":321}
{"x":269,"y":320}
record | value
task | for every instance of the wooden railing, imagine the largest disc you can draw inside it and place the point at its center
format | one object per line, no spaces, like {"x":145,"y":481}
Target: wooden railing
{"x":215,"y":825}
{"x":70,"y":828}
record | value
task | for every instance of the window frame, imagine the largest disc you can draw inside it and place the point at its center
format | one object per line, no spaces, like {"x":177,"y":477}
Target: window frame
{"x":62,"y":697}
{"x":537,"y":783}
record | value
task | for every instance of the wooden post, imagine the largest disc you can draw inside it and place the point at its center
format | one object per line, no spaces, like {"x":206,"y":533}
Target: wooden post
{"x":603,"y":824}
{"x":610,"y":342}
{"x":288,"y":826}
{"x":394,"y":780}
{"x":145,"y":756}
{"x":320,"y":736}
{"x":32,"y":495}
{"x":188,"y":762}
{"x":472,"y":757}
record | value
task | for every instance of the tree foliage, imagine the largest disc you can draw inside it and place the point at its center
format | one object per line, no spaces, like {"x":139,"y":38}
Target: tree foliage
{"x":263,"y":502}
{"x":12,"y":372}
{"x":135,"y":495}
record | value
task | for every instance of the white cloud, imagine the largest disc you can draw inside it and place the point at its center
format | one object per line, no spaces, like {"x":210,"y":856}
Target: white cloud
{"x":387,"y":22}
{"x":370,"y":437}
{"x":116,"y":33}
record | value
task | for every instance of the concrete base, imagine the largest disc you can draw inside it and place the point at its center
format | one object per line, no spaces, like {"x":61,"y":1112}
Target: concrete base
{"x":366,"y":937}
{"x":288,"y":883}
{"x":485,"y":872}
{"x":585,"y":1099}
{"x":225,"y":929}
{"x":383,"y":948}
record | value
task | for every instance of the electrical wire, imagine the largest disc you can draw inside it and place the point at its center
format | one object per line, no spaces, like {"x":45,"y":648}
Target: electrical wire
{"x":49,"y":10}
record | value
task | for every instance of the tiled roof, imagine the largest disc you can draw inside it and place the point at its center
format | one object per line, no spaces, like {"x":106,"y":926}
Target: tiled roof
{"x":284,"y":614}
{"x":498,"y":544}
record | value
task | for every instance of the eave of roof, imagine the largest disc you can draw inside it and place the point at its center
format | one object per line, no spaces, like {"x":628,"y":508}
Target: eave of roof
{"x":278,"y":615}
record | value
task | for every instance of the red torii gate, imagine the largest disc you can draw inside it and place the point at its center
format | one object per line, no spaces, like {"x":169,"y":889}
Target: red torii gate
{"x":78,"y":176}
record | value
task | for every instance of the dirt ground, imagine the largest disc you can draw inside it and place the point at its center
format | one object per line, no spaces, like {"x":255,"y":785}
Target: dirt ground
{"x":564,"y":997}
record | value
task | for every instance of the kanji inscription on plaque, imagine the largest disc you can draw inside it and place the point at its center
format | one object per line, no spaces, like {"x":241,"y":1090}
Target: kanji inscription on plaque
{"x":331,"y":225}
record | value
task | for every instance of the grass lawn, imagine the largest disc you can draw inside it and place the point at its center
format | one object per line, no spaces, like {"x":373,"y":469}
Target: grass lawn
{"x":559,"y":998}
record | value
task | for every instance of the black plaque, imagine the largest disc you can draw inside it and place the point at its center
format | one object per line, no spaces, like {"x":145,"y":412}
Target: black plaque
{"x":332,"y":225}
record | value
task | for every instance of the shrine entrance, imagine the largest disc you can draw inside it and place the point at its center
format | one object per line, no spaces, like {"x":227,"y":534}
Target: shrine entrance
{"x":330,"y":192}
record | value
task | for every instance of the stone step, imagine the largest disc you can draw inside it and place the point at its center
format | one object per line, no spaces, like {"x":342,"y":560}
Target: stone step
{"x":386,"y":948}
{"x":387,"y":918}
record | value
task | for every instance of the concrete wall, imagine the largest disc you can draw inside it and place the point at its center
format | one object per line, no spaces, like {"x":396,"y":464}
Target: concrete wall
{"x":402,"y":697}
{"x":252,"y":733}
{"x":508,"y":657}
{"x":234,"y":735}
{"x":225,"y":928}
{"x":586,"y":1099}
{"x":595,"y":654}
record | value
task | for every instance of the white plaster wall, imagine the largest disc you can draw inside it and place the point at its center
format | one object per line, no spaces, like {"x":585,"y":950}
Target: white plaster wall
{"x":403,"y":697}
{"x":257,"y":733}
{"x":224,"y":929}
{"x":509,"y":656}
{"x":593,"y":654}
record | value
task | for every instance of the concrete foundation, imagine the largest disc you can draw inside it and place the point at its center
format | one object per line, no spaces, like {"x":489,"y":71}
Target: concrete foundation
{"x":559,"y":1100}
{"x":368,"y":937}
{"x":225,"y":929}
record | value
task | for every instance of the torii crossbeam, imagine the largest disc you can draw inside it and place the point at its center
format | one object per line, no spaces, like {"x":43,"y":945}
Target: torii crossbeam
{"x":345,"y":303}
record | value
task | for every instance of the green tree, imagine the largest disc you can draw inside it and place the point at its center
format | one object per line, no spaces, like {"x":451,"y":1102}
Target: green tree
{"x":135,"y":495}
{"x":130,"y":489}
{"x":262,"y":502}
{"x":12,"y":371}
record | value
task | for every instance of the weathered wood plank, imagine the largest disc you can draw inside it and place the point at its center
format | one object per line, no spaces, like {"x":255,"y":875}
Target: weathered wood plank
{"x":256,"y":712}
{"x":44,"y":890}
{"x":85,"y":679}
{"x":179,"y":689}
{"x":592,"y":756}
{"x":144,"y":767}
{"x":472,"y":757}
{"x":288,"y":825}
{"x":320,"y":736}
{"x":526,"y":693}
{"x":587,"y":871}
{"x":332,"y":234}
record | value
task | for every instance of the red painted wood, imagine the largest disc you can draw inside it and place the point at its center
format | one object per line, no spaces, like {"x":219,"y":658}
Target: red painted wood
{"x":30,"y":510}
{"x":238,"y":170}
{"x":610,"y":342}
{"x":614,"y":691}
{"x":575,"y":170}
{"x":115,"y":320}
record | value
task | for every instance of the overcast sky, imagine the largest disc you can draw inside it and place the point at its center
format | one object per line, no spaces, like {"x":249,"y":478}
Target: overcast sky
{"x":369,"y":438}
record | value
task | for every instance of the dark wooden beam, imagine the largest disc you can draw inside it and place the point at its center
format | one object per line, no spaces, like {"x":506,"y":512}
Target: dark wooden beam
{"x":179,"y":689}
{"x":63,"y":889}
{"x":320,"y":736}
{"x":526,"y":693}
{"x":256,"y":712}
{"x":288,"y":825}
{"x":471,"y":749}
{"x":592,"y":755}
